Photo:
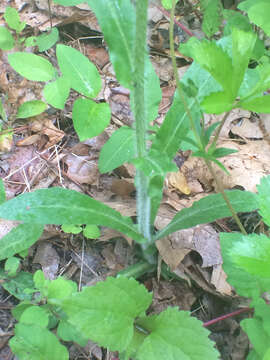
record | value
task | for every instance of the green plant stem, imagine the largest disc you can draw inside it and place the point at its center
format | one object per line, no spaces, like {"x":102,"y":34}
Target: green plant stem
{"x":137,"y":270}
{"x":143,"y":200}
{"x":214,"y":142}
{"x":181,"y":94}
{"x":221,"y":190}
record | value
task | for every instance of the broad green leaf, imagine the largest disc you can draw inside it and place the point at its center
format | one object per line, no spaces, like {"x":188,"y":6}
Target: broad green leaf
{"x":208,"y":209}
{"x":262,"y":312}
{"x":68,"y":332}
{"x":264,"y":199}
{"x":90,"y":118}
{"x":108,"y":320}
{"x":36,"y":343}
{"x":56,"y":92}
{"x":217,"y":103}
{"x":2,"y":192}
{"x":20,"y":308}
{"x":19,"y":238}
{"x":35,"y":315}
{"x":259,"y":104}
{"x":91,"y":232}
{"x":117,"y":21}
{"x":16,"y":286}
{"x":31,"y":108}
{"x":172,"y":335}
{"x":6,"y":39}
{"x":46,"y":41}
{"x":73,"y":229}
{"x":120,"y":148}
{"x":252,"y":254}
{"x":31,"y":66}
{"x":68,"y":2}
{"x":257,"y":336}
{"x":258,"y":13}
{"x":13,"y":19}
{"x":262,"y":75}
{"x":212,"y":16}
{"x":235,"y":19}
{"x":61,"y":288}
{"x":167,"y":4}
{"x":60,"y":206}
{"x":81,"y":73}
{"x":245,"y":283}
{"x":12,"y":265}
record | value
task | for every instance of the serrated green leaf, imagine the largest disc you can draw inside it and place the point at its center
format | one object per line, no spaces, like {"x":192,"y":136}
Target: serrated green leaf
{"x":68,"y":332}
{"x":36,"y":343}
{"x":212,"y":16}
{"x":120,"y":148}
{"x":91,"y":232}
{"x":235,"y":19}
{"x":2,"y":192}
{"x":35,"y":315}
{"x":6,"y":39}
{"x":56,"y":92}
{"x":61,"y":288}
{"x":245,"y":283}
{"x":19,"y":238}
{"x":252,"y":254}
{"x":208,"y":209}
{"x":90,"y":118}
{"x":108,"y":320}
{"x":31,"y":108}
{"x":217,"y":103}
{"x":59,"y":206}
{"x":262,"y":312}
{"x":258,"y":337}
{"x":46,"y":41}
{"x":20,"y":308}
{"x":264,"y":199}
{"x":31,"y":66}
{"x":40,"y":280}
{"x":258,"y":13}
{"x":172,"y":335}
{"x":13,"y":19}
{"x":16,"y":285}
{"x":259,"y":104}
{"x":81,"y":73}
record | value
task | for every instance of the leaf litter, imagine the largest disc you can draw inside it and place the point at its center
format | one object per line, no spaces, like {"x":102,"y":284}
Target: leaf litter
{"x":44,"y":152}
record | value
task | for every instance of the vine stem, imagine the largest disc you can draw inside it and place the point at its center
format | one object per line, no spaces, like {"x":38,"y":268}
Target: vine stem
{"x":142,"y":183}
{"x":181,"y":94}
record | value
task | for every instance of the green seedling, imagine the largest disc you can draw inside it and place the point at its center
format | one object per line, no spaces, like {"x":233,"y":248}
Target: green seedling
{"x":113,"y":313}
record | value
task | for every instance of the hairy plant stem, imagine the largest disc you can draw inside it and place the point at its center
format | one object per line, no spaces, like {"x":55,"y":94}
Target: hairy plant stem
{"x":142,"y":182}
{"x":192,"y":125}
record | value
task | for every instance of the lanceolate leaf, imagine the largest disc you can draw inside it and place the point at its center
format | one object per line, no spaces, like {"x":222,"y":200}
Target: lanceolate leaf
{"x":108,"y":320}
{"x":81,"y":73}
{"x":120,"y":148}
{"x":31,"y":66}
{"x":60,"y":206}
{"x":117,"y":21}
{"x":172,"y":332}
{"x":208,"y":209}
{"x":264,"y":199}
{"x":19,"y":238}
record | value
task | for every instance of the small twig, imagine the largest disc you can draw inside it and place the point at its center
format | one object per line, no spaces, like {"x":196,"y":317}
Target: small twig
{"x":226,"y":316}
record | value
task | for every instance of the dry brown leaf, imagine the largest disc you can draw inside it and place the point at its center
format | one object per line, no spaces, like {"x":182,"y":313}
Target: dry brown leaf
{"x":81,"y":169}
{"x":46,"y":127}
{"x":177,"y":180}
{"x":48,"y":258}
{"x":219,"y":280}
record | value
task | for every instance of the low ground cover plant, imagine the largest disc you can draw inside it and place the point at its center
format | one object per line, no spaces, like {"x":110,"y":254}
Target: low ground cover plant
{"x":218,"y":81}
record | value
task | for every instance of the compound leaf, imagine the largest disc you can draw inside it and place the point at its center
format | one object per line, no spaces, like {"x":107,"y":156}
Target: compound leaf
{"x":208,"y":209}
{"x":60,"y":206}
{"x":83,"y":76}
{"x":108,"y":320}
{"x":171,"y":335}
{"x":31,"y":66}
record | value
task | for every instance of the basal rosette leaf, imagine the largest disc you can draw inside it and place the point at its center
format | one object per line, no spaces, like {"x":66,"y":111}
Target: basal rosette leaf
{"x":208,"y":209}
{"x":105,"y":312}
{"x":171,"y":336}
{"x":264,"y":199}
{"x":246,"y":283}
{"x":60,"y":206}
